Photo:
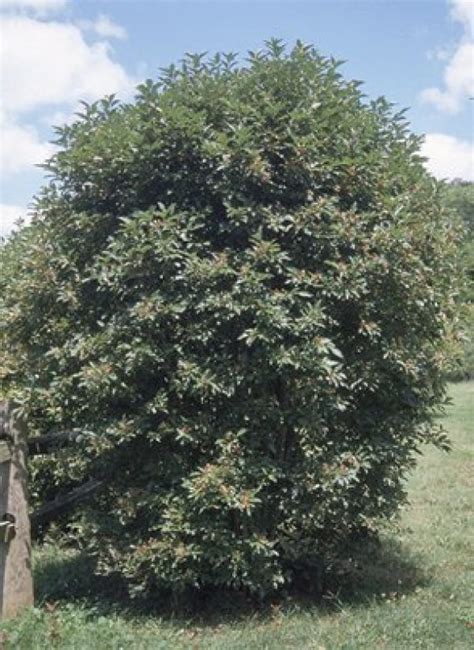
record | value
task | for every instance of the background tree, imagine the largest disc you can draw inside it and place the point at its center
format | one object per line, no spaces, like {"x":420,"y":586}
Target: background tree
{"x":241,"y":289}
{"x":459,"y":198}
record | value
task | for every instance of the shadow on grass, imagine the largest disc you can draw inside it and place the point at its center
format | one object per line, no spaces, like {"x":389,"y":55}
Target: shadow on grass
{"x":381,"y":571}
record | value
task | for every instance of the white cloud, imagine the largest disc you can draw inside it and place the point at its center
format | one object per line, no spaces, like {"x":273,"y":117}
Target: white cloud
{"x":438,"y":54}
{"x":21,"y":147}
{"x":36,"y":5}
{"x":9,"y":214}
{"x":449,"y":157}
{"x":463,"y":11}
{"x":51,"y":63}
{"x":459,"y":72}
{"x":104,"y":26}
{"x":458,"y":81}
{"x":47,"y":66}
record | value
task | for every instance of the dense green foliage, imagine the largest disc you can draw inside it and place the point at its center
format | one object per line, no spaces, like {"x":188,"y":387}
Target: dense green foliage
{"x":241,"y":289}
{"x":459,"y":198}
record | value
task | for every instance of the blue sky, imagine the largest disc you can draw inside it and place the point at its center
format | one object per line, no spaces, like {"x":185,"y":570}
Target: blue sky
{"x":418,"y":53}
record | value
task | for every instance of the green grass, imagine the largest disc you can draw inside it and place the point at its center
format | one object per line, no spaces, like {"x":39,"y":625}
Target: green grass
{"x":414,"y":591}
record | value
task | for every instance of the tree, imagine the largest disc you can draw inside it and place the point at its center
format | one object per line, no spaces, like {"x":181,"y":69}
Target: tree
{"x":459,"y":199}
{"x":241,"y":289}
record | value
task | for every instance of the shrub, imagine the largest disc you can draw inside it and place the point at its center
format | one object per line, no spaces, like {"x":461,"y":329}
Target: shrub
{"x":240,"y":288}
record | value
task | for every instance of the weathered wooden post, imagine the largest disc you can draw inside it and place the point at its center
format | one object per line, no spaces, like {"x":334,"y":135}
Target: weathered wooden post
{"x":16,"y":582}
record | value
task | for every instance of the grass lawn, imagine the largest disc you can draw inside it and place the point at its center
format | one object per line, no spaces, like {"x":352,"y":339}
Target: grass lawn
{"x":415,"y":591}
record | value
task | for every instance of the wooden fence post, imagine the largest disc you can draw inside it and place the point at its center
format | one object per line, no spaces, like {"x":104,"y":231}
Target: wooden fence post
{"x":16,"y":582}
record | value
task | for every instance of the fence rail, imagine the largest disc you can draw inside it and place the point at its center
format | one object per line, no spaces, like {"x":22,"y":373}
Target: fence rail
{"x":16,"y":523}
{"x":53,"y":509}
